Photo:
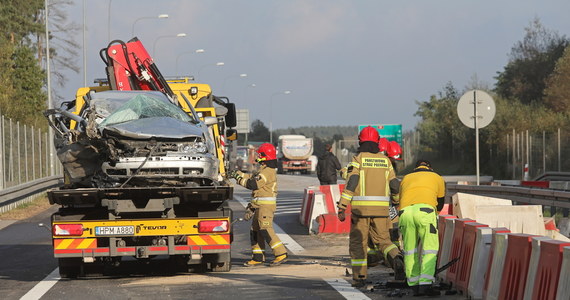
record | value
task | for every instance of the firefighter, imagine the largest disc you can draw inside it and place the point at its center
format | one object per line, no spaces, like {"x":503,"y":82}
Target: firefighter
{"x":421,"y":198}
{"x":393,"y":150}
{"x":371,"y":179}
{"x":262,"y":206}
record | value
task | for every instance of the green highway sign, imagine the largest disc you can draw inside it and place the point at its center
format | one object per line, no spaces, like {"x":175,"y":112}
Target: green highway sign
{"x":393,"y":132}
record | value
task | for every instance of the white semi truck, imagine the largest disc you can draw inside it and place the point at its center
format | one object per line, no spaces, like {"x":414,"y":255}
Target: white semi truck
{"x":293,"y":152}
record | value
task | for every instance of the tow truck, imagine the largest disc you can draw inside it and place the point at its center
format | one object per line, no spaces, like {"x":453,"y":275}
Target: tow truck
{"x":144,"y":170}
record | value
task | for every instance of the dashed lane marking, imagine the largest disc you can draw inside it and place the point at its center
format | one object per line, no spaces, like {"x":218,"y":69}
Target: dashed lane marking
{"x":287,"y":240}
{"x":43,"y":286}
{"x":343,"y":287}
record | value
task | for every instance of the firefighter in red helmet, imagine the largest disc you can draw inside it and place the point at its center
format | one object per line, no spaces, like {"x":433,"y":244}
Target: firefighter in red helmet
{"x":262,"y":207}
{"x":383,"y":145}
{"x":371,"y":181}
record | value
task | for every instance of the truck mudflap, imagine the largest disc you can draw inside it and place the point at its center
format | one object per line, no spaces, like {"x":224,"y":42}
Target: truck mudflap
{"x":140,"y":238}
{"x":92,"y":196}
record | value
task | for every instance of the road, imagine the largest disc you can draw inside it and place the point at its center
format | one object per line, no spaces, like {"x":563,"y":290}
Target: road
{"x":317,"y":268}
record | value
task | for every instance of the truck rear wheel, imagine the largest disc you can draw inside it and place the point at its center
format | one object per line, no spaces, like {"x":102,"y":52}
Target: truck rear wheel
{"x":70,"y":267}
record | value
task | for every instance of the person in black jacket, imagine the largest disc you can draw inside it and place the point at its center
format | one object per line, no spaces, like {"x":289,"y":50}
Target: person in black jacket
{"x":327,"y":167}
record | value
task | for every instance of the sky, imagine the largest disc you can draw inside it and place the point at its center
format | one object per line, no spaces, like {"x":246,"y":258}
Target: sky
{"x":345,"y":62}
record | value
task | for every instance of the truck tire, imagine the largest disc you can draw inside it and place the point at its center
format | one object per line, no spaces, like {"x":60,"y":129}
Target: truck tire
{"x":70,"y":267}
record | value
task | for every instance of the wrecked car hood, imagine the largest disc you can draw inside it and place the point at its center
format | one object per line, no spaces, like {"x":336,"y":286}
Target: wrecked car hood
{"x":157,"y":127}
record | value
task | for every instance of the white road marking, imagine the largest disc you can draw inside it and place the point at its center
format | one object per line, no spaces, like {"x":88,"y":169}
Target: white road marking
{"x":43,"y":286}
{"x":288,"y":241}
{"x":343,"y":287}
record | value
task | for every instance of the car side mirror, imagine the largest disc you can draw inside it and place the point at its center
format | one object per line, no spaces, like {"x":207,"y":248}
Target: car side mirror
{"x":210,"y":121}
{"x":231,"y":134}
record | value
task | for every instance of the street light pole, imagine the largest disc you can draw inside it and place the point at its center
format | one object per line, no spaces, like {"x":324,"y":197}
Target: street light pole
{"x":84,"y":49}
{"x":161,"y":16}
{"x":271,"y":113}
{"x":165,"y":36}
{"x":49,"y":100}
{"x":188,"y":52}
{"x":243,"y":75}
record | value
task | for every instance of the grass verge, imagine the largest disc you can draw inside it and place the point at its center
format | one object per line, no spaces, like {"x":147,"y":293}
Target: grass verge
{"x":27,"y":210}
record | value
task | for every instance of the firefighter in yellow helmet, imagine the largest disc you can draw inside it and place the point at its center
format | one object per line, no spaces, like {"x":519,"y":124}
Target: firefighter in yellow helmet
{"x":263,"y":205}
{"x":371,"y":180}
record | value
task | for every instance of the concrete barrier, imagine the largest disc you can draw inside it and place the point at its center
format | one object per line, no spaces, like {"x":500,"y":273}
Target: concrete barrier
{"x":519,"y":218}
{"x":563,"y":292}
{"x":456,"y":245}
{"x":515,"y":270}
{"x":466,"y":254}
{"x":533,"y":265}
{"x":492,"y":282}
{"x":480,"y":262}
{"x":548,"y":271}
{"x":464,"y":204}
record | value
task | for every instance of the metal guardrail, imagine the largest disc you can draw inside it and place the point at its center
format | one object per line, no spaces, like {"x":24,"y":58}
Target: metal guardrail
{"x":520,"y":195}
{"x":26,"y":192}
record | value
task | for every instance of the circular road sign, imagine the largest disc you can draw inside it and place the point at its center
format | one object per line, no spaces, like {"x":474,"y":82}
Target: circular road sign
{"x":484,"y":109}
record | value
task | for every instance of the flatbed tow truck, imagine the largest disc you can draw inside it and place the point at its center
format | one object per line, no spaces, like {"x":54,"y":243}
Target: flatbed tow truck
{"x":131,"y":193}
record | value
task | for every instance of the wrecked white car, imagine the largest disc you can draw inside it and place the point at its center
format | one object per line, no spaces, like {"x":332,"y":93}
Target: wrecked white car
{"x":136,"y":139}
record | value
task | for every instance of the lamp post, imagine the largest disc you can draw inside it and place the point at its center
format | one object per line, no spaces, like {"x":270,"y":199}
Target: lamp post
{"x":187,"y":52}
{"x":109,"y":22}
{"x":242,"y":75}
{"x":161,"y":16}
{"x":271,"y":113}
{"x":218,"y":64}
{"x":165,"y":36}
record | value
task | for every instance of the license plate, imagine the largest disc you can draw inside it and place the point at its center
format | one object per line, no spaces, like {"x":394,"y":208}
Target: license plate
{"x":114,"y":230}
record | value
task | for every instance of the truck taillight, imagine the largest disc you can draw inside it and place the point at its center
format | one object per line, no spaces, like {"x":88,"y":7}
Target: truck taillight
{"x":213,"y":226}
{"x":67,"y":229}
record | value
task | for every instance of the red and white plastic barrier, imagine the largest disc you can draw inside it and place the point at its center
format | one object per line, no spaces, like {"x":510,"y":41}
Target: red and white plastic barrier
{"x":563,"y":291}
{"x":319,"y":209}
{"x":466,"y":254}
{"x":497,"y":260}
{"x":480,"y":262}
{"x":515,"y":270}
{"x":548,"y":271}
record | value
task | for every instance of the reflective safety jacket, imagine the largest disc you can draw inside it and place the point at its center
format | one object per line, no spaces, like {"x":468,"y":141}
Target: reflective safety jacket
{"x":263,"y":185}
{"x":422,"y":186}
{"x":368,"y":187}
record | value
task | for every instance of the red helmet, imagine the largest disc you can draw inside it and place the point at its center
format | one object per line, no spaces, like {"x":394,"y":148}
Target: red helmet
{"x":368,"y":134}
{"x":266,"y":152}
{"x":383,"y":145}
{"x":395,"y":151}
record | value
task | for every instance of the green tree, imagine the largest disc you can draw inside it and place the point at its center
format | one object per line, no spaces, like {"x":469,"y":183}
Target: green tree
{"x":259,"y":132}
{"x":557,"y":92}
{"x":532,"y":60}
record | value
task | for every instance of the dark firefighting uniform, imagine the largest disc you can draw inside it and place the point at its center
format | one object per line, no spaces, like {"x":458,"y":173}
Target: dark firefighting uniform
{"x":421,"y":197}
{"x":368,"y":192}
{"x":264,"y":199}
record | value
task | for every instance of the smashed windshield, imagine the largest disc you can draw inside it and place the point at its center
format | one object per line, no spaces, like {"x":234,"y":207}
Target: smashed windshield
{"x":143,"y":106}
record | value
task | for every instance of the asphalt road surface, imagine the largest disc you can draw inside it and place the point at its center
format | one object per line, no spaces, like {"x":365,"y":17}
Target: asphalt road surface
{"x":318,"y":268}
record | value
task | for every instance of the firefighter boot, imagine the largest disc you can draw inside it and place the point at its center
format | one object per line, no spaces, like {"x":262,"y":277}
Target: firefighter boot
{"x":399,"y":270}
{"x":253,"y":263}
{"x":279,"y":260}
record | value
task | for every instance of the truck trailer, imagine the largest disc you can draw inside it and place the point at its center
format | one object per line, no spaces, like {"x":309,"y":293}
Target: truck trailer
{"x":293,"y":153}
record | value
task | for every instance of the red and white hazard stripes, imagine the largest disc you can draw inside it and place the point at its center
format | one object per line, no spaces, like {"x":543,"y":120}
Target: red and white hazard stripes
{"x":60,"y":244}
{"x":209,"y":241}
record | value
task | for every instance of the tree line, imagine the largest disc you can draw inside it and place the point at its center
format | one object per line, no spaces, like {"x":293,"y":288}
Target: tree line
{"x":22,"y":56}
{"x":532,"y":93}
